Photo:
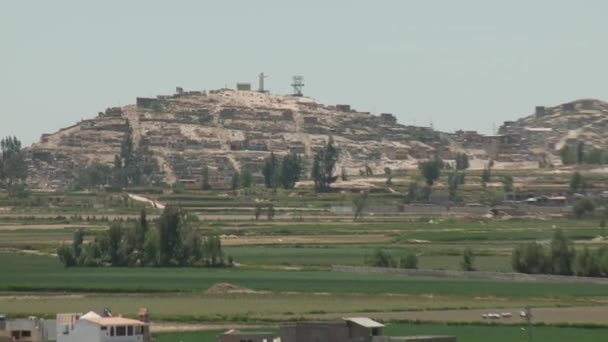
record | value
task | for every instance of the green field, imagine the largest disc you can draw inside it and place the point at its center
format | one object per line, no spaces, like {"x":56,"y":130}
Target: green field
{"x":40,"y":273}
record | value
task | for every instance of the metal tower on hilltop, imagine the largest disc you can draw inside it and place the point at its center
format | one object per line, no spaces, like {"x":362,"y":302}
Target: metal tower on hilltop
{"x":298,"y":84}
{"x":261,"y":83}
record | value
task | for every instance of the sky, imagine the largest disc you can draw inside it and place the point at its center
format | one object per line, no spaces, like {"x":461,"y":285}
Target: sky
{"x":467,"y":64}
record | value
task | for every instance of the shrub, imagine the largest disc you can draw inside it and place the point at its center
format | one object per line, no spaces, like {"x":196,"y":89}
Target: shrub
{"x":467,"y":260}
{"x":583,"y":207}
{"x":530,"y":258}
{"x":409,"y":261}
{"x":381,"y":258}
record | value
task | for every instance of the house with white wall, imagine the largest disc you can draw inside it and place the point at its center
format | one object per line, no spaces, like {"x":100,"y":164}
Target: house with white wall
{"x":92,"y":327}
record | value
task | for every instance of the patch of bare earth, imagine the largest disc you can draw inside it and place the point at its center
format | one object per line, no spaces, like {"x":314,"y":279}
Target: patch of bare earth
{"x":227,"y":288}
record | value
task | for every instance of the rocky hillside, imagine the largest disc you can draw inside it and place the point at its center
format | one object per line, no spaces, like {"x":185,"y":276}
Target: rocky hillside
{"x":229,"y":130}
{"x":549,"y":129}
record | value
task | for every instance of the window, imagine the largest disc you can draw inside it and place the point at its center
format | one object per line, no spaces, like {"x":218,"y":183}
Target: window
{"x":111,"y":331}
{"x":104,"y":328}
{"x":26,"y":333}
{"x":121,"y":331}
{"x":130,"y":330}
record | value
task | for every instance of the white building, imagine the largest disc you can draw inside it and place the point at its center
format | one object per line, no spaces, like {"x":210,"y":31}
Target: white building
{"x":92,"y":327}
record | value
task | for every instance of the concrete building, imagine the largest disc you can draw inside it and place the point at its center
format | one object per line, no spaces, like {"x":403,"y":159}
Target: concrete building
{"x":351,"y":329}
{"x":92,"y":327}
{"x":26,"y":330}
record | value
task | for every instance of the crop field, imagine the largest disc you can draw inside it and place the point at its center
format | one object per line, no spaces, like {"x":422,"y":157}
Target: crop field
{"x":41,"y":273}
{"x":283,"y":268}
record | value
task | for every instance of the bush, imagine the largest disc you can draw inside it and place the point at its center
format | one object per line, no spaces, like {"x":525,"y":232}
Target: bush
{"x":530,"y":258}
{"x":380,"y":258}
{"x":467,"y":260}
{"x":583,"y":207}
{"x":409,"y":261}
{"x":66,"y":256}
{"x":588,"y":263}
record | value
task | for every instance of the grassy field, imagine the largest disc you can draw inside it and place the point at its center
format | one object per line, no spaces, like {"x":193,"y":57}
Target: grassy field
{"x":465,"y":333}
{"x":31,"y":272}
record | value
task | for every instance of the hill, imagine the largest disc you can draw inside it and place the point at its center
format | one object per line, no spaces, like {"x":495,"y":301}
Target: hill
{"x":230,"y":130}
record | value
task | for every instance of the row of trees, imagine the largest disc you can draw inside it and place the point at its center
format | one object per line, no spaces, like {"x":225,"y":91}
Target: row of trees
{"x":132,"y":167}
{"x":409,"y":260}
{"x":560,"y":258}
{"x":381,"y":258}
{"x":580,"y":155}
{"x":285,"y":173}
{"x":171,"y":241}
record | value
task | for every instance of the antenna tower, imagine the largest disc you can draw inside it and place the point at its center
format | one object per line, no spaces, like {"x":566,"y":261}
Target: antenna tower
{"x":298,"y":84}
{"x":261,"y":83}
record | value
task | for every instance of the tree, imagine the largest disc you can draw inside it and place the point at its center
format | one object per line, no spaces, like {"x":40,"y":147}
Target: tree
{"x":270,"y":212}
{"x":596,"y":156}
{"x":582,"y":207}
{"x":141,"y":229}
{"x":578,"y":182}
{"x":130,"y":169}
{"x":530,"y":258}
{"x":462,"y":161}
{"x":77,"y":241}
{"x":66,"y":256}
{"x":409,"y":261}
{"x":486,"y":176}
{"x":561,"y":253}
{"x":323,"y":167}
{"x":92,"y":176}
{"x":455,"y":179}
{"x":580,"y":152}
{"x":467,"y":260}
{"x":413,"y":193}
{"x":236,"y":181}
{"x":344,"y":175}
{"x":291,"y":170}
{"x":431,"y":170}
{"x":13,"y":168}
{"x":380,"y":258}
{"x":507,"y":183}
{"x":257,"y":211}
{"x":246,"y":178}
{"x":151,"y":248}
{"x":115,"y":236}
{"x":169,"y":236}
{"x":567,"y":155}
{"x":588,"y":263}
{"x":368,"y":170}
{"x":271,"y":172}
{"x":359,"y":203}
{"x":205,"y":178}
{"x":389,"y":176}
{"x":118,"y":175}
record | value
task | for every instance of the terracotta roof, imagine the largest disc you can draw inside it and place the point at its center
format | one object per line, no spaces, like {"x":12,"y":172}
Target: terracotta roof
{"x":114,"y":321}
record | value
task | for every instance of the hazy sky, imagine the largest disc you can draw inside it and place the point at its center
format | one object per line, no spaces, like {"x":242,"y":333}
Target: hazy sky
{"x":462,"y":64}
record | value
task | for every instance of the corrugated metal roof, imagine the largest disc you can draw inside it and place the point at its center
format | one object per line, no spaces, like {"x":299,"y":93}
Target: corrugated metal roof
{"x":364,"y":322}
